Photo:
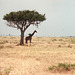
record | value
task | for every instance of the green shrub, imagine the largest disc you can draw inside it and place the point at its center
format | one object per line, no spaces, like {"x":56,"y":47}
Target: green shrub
{"x":54,"y":39}
{"x":52,"y":67}
{"x":72,"y":41}
{"x":5,"y":71}
{"x":62,"y":67}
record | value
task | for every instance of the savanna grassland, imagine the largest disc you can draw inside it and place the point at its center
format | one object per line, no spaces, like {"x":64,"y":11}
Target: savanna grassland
{"x":37,"y":58}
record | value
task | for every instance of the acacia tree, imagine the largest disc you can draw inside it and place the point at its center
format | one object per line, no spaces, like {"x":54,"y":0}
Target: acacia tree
{"x":23,"y":19}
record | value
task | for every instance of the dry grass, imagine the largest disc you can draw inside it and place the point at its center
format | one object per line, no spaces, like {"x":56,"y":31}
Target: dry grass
{"x":35,"y":59}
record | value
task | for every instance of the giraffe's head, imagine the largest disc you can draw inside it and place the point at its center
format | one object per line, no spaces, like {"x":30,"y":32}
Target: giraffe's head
{"x":35,"y":31}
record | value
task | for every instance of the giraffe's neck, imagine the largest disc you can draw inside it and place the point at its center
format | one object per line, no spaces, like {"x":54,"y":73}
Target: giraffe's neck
{"x":32,"y":34}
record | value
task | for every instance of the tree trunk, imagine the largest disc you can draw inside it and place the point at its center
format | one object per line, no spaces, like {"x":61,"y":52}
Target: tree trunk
{"x":22,"y":38}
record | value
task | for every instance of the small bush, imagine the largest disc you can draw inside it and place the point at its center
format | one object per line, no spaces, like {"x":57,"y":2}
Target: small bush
{"x":69,"y":46}
{"x":59,"y":45}
{"x":60,"y":39}
{"x":52,"y":67}
{"x":62,"y":67}
{"x":5,"y":71}
{"x":54,"y":39}
{"x":1,"y":47}
{"x":72,"y":41}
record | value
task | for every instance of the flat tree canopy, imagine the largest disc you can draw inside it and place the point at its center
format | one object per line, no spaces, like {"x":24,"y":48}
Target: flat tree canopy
{"x":23,"y":19}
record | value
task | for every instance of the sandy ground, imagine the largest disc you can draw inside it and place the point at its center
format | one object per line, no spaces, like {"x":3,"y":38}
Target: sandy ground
{"x":37,"y":58}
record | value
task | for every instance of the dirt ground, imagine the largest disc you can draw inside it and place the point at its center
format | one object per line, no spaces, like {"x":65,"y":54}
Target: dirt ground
{"x":37,"y":58}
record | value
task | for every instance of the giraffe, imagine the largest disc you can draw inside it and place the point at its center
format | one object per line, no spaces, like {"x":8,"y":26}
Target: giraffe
{"x":30,"y":37}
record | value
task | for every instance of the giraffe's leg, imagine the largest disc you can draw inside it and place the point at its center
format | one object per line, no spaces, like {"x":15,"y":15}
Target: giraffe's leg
{"x":30,"y":41}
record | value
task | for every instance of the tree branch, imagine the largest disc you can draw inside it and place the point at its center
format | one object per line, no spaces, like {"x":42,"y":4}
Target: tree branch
{"x":18,"y":25}
{"x":11,"y":26}
{"x":26,"y":27}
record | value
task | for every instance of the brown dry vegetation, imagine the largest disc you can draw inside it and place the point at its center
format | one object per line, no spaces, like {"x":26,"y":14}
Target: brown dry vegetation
{"x":37,"y":58}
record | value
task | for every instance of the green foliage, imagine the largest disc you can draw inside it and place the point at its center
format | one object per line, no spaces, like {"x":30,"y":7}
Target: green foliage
{"x":72,"y":41}
{"x":5,"y":71}
{"x":25,"y":15}
{"x":66,"y":66}
{"x":62,"y":67}
{"x":52,"y":67}
{"x":54,"y":39}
